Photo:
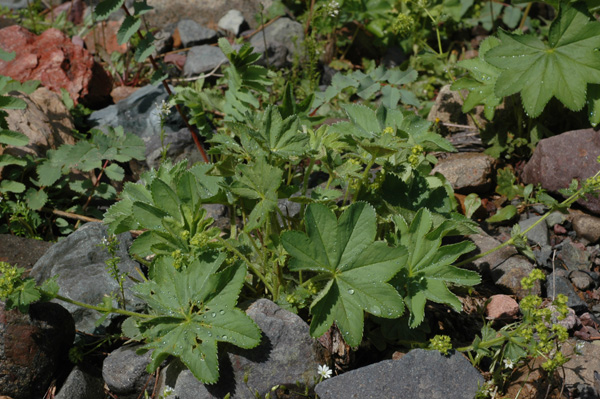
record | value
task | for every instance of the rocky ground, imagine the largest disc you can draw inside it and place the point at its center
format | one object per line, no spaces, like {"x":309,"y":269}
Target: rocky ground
{"x":34,"y":347}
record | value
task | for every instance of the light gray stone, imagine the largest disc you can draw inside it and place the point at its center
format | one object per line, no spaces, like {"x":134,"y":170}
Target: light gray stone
{"x":581,"y":280}
{"x":510,"y":273}
{"x":539,"y":234}
{"x":420,"y":374}
{"x":232,"y":22}
{"x":467,"y":171}
{"x":124,"y":372}
{"x":484,"y":242}
{"x":81,"y":385}
{"x":284,"y":39}
{"x":587,"y":227}
{"x":202,"y":59}
{"x":79,"y":263}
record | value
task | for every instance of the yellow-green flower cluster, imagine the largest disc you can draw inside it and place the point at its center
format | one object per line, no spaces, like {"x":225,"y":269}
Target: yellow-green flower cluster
{"x":415,"y":155}
{"x":536,"y":274}
{"x":403,"y":25}
{"x":10,"y":278}
{"x":388,"y":130}
{"x":441,"y":343}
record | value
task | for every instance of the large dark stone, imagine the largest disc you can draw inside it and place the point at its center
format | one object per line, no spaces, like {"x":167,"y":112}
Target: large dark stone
{"x":33,"y":347}
{"x":287,"y":355}
{"x":558,"y":160}
{"x":420,"y":374}
{"x":79,"y":263}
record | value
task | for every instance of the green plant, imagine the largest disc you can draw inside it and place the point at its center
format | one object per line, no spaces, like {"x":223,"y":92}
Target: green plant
{"x":111,"y":244}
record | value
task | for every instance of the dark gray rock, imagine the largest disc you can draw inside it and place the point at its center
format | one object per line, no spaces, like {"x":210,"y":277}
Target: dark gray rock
{"x":557,"y":284}
{"x":587,"y":227}
{"x":574,"y":257}
{"x":79,"y":263}
{"x":467,"y":171}
{"x":124,"y":372}
{"x":284,"y":39}
{"x":202,"y":59}
{"x":539,"y":234}
{"x":581,"y":280}
{"x":554,"y":218}
{"x":233,"y":22}
{"x":559,"y":159}
{"x":194,"y":34}
{"x":287,"y":355}
{"x":81,"y":385}
{"x":420,"y":374}
{"x":33,"y":347}
{"x":138,"y":114}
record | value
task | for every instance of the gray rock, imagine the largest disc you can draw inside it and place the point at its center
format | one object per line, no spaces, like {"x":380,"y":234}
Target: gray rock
{"x":420,"y":374}
{"x":580,"y":369}
{"x":510,"y":273}
{"x":467,"y":171}
{"x":539,"y":234}
{"x":287,"y":355}
{"x":194,"y":34}
{"x":124,"y":372}
{"x":587,"y":227}
{"x":180,"y":145}
{"x":556,"y":284}
{"x":33,"y":346}
{"x":284,"y":39}
{"x":205,"y":12}
{"x":232,"y":22}
{"x":555,"y":217}
{"x":14,"y":4}
{"x":138,"y":114}
{"x":81,"y":385}
{"x":581,"y":280}
{"x":202,"y":59}
{"x":484,"y":243}
{"x":574,"y":257}
{"x":78,"y":262}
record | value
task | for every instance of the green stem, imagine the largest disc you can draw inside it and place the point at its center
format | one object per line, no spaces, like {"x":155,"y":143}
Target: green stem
{"x":250,"y":265}
{"x":98,"y":308}
{"x":364,"y":177}
{"x":565,"y":203}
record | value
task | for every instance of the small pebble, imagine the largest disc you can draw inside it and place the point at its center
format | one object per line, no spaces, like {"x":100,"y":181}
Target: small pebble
{"x":581,"y":280}
{"x":502,"y":307}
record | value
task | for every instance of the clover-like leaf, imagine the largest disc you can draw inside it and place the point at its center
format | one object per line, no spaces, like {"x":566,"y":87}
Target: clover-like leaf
{"x":192,"y":309}
{"x":429,"y":267}
{"x":279,"y":136}
{"x":105,"y":8}
{"x":354,"y":267}
{"x":258,"y":181}
{"x":561,"y":67}
{"x":481,"y":81}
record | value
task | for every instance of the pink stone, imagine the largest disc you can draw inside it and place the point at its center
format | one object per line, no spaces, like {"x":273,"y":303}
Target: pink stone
{"x":502,"y":307}
{"x":55,"y":61}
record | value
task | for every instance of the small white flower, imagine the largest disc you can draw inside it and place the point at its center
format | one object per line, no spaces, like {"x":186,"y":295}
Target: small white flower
{"x":104,"y":241}
{"x":324,"y":371}
{"x":168,"y":391}
{"x":163,"y":109}
{"x":333,"y":8}
{"x":508,"y":364}
{"x":579,"y":348}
